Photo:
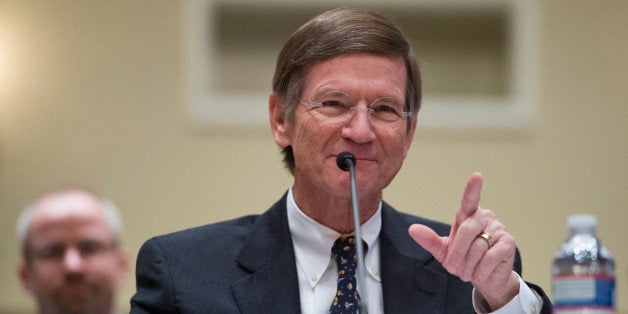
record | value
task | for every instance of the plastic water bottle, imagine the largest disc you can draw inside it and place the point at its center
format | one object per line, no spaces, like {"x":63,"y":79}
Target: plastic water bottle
{"x":583,"y":271}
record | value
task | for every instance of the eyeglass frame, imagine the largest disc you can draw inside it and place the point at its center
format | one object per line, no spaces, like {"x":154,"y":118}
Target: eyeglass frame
{"x":402,"y":115}
{"x":55,"y":252}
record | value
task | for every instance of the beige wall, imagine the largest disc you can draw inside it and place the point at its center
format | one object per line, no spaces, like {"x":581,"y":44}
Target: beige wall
{"x":91,"y":92}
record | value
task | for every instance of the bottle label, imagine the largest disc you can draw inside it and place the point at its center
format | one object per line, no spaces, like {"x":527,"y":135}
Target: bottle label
{"x":573,"y":293}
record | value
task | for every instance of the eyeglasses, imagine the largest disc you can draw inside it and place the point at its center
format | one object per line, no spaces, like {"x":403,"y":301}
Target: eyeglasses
{"x":55,"y":252}
{"x":339,"y":108}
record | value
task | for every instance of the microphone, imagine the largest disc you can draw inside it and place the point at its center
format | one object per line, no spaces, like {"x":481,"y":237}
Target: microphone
{"x":346,"y":162}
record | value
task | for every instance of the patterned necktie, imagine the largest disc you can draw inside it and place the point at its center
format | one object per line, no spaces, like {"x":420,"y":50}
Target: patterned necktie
{"x":347,"y":299}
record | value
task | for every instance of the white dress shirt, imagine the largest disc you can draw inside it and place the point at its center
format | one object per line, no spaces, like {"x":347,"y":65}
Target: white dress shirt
{"x":317,"y":272}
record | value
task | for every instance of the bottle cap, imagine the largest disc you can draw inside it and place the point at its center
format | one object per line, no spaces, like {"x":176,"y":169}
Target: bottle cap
{"x":582,"y":221}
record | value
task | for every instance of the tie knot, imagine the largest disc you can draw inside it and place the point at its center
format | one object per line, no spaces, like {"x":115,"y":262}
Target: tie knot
{"x":344,"y":249}
{"x":344,"y":244}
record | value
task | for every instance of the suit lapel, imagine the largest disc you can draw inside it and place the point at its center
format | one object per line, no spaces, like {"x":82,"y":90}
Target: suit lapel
{"x":409,"y":286}
{"x":267,"y":253}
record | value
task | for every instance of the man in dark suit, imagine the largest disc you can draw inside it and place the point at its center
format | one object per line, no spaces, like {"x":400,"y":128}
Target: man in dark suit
{"x":345,"y":81}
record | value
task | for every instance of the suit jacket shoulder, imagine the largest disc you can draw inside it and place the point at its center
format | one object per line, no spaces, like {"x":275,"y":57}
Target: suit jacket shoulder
{"x":236,"y":266}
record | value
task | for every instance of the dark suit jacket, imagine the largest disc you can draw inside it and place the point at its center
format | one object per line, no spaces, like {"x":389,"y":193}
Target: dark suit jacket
{"x":247,"y":265}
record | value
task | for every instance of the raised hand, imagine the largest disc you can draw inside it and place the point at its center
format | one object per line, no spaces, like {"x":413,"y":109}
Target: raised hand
{"x":478,"y":248}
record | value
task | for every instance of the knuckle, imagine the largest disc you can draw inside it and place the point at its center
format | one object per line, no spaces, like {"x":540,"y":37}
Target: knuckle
{"x":507,"y":240}
{"x":489,"y":213}
{"x":468,"y":226}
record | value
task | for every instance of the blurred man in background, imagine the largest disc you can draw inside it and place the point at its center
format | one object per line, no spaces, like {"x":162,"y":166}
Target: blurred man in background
{"x":72,"y":261}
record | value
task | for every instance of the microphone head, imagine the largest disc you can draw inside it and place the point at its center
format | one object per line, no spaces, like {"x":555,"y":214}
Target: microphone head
{"x":345,"y":161}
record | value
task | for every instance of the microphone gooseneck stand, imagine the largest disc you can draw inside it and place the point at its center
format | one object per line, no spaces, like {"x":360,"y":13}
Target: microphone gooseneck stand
{"x":346,"y":162}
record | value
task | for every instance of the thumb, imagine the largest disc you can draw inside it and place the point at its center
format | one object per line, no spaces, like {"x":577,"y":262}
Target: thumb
{"x":429,"y":240}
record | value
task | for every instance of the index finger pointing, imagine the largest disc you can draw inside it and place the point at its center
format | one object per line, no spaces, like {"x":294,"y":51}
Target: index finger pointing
{"x":471,"y":196}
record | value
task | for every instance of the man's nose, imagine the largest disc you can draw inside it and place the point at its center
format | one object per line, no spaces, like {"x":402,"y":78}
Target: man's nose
{"x":359,"y":128}
{"x":73,"y":260}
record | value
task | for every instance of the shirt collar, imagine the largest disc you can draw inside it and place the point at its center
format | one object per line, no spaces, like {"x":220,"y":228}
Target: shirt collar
{"x":313,"y":241}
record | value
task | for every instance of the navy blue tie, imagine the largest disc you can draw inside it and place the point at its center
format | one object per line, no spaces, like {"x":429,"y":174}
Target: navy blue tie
{"x":347,"y":299}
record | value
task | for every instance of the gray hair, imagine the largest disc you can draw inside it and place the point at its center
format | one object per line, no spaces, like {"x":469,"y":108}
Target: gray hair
{"x":109,"y":209}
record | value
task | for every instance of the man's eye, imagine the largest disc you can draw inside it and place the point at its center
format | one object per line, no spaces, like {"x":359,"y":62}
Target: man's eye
{"x":91,"y":247}
{"x":333,"y":104}
{"x":50,"y":252}
{"x":384,"y":108}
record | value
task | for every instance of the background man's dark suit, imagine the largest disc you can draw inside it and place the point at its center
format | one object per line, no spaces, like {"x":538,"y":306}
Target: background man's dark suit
{"x":247,"y":265}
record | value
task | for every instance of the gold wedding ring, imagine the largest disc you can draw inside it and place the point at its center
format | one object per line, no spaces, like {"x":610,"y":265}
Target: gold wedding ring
{"x":487,"y":237}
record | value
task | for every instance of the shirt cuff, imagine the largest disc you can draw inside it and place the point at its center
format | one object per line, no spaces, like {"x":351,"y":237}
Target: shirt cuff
{"x":527,"y":301}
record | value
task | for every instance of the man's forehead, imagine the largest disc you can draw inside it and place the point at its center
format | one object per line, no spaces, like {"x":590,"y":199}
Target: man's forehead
{"x":71,"y":205}
{"x":332,"y":71}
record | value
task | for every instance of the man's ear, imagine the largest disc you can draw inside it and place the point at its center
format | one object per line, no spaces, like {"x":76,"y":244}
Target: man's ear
{"x":122,"y":261}
{"x":278,"y":124}
{"x":25,"y":275}
{"x":410,"y":135}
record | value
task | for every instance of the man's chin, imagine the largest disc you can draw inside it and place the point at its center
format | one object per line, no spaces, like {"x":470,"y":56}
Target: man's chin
{"x":76,"y":293}
{"x":74,"y":301}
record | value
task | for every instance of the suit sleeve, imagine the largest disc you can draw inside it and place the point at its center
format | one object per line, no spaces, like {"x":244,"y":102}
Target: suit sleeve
{"x":546,"y":308}
{"x":547,"y":303}
{"x":155,"y":293}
